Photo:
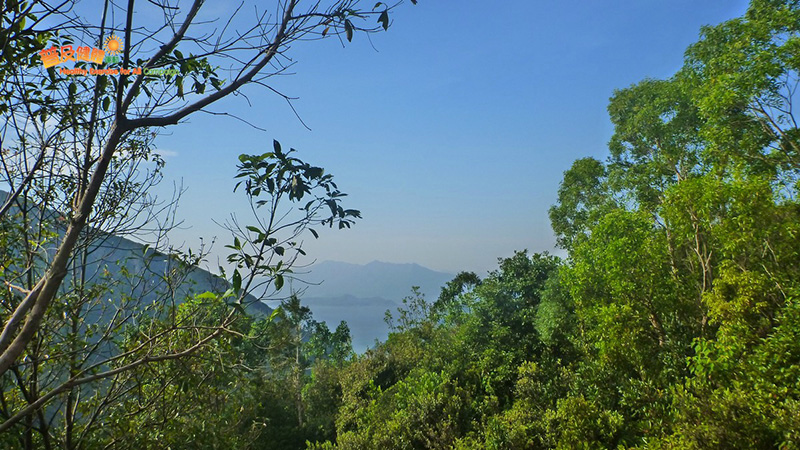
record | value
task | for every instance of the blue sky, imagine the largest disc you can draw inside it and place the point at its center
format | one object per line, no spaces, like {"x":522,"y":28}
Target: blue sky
{"x":450,"y":135}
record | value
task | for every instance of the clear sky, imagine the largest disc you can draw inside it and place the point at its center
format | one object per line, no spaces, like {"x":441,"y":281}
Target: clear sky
{"x":451,"y":135}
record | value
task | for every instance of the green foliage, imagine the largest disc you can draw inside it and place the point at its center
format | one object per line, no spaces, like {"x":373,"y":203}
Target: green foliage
{"x":555,"y":316}
{"x":421,"y":411}
{"x":277,"y":173}
{"x":582,"y":197}
{"x":270,"y":246}
{"x":743,"y":398}
{"x":448,"y":304}
{"x":672,"y":324}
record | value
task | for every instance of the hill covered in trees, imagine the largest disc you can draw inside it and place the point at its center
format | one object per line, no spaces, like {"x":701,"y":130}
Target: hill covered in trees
{"x":674,"y":320}
{"x":672,"y":323}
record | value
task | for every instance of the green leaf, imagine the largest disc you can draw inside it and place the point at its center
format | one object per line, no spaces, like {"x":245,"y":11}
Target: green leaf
{"x":254,"y":229}
{"x":384,"y":19}
{"x":348,"y":30}
{"x":274,"y":314}
{"x":106,"y":103}
{"x":237,"y":280}
{"x":278,"y":282}
{"x":206,"y":296}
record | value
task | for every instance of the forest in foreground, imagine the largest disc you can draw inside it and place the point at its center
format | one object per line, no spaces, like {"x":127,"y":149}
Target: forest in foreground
{"x":672,"y":323}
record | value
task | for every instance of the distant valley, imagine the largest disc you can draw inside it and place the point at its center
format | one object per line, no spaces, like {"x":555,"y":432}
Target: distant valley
{"x":361,"y":294}
{"x":335,"y":291}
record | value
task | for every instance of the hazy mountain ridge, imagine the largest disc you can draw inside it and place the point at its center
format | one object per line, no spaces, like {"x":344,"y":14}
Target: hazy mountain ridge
{"x":334,"y":290}
{"x":391,"y":281}
{"x":361,"y":294}
{"x":109,"y":254}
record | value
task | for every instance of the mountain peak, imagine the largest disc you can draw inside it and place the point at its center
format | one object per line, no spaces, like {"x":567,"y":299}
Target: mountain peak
{"x":392,"y":281}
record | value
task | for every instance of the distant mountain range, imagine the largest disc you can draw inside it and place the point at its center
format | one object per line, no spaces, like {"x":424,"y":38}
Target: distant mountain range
{"x":336,"y":291}
{"x":361,"y":294}
{"x":111,"y":256}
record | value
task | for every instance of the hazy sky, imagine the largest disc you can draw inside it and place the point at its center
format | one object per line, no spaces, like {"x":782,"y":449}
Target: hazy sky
{"x":451,"y":135}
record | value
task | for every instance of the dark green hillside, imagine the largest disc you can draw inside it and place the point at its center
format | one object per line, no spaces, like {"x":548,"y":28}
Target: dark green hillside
{"x":136,"y":270}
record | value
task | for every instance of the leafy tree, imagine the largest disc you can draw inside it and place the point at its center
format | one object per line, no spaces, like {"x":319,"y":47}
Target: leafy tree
{"x":82,"y":358}
{"x":142,"y":104}
{"x":78,"y":150}
{"x":582,"y":197}
{"x":205,"y":398}
{"x":672,"y":322}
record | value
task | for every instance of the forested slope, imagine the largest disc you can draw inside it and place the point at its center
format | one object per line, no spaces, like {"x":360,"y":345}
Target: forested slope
{"x":674,"y":320}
